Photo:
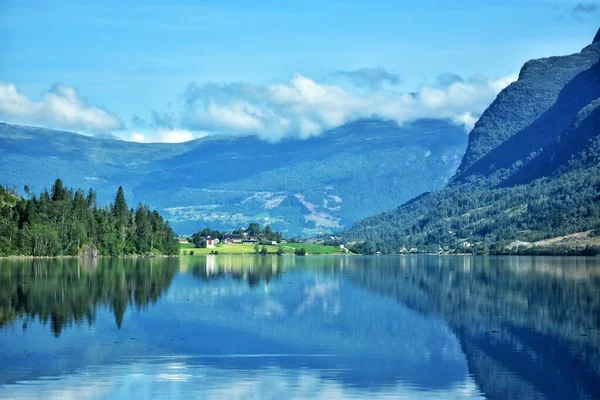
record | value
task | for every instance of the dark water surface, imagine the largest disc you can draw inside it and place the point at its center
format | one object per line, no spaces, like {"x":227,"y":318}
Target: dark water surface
{"x":245,"y":327}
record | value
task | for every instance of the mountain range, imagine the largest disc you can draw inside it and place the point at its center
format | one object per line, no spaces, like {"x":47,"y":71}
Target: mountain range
{"x":530,"y":177}
{"x":301,"y":187}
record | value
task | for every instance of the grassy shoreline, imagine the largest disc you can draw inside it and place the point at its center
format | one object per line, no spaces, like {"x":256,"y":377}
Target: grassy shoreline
{"x":288,"y":249}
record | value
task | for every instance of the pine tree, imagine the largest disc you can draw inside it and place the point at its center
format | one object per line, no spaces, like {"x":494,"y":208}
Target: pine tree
{"x":120,"y":209}
{"x":58,"y":191}
{"x":143,"y":230}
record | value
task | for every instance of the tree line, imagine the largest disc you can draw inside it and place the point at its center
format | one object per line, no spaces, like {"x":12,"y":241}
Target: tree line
{"x":63,"y":222}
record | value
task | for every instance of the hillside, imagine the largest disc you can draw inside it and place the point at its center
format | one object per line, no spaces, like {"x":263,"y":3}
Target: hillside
{"x":301,"y":187}
{"x":531,"y":170}
{"x":530,"y":114}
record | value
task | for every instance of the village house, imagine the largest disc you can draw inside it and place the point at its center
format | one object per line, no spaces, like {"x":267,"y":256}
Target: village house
{"x":210,"y":243}
{"x":232,"y":238}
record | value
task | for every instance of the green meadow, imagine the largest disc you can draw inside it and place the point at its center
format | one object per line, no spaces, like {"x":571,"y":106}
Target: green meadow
{"x":288,"y":248}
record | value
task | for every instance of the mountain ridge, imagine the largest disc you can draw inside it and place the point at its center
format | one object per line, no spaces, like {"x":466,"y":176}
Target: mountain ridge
{"x":302,"y":187}
{"x":536,"y":97}
{"x":531,"y":171}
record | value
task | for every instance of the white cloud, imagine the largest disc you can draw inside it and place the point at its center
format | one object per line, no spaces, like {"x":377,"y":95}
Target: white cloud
{"x":176,"y":135}
{"x":164,"y":135}
{"x":304,"y":107}
{"x":504,"y":81}
{"x":300,"y":107}
{"x":61,"y":107}
{"x":137,"y":137}
{"x":467,"y":120}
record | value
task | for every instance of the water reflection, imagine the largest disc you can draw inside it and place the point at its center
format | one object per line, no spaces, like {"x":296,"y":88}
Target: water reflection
{"x":69,"y":291}
{"x":529,"y":326}
{"x":318,"y":327}
{"x":252,"y":269}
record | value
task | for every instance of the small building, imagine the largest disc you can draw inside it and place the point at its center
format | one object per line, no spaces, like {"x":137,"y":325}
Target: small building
{"x":210,"y":243}
{"x":232,"y":238}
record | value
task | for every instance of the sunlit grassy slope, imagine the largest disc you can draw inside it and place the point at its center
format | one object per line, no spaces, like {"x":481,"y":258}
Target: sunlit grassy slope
{"x":289,"y":248}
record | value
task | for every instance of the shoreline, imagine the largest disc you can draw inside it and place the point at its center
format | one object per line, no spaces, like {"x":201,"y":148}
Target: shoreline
{"x":164,"y":256}
{"x":80,"y":257}
{"x":289,"y":255}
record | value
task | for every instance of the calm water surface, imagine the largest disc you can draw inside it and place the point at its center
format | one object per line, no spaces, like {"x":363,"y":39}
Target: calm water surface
{"x":245,"y":327}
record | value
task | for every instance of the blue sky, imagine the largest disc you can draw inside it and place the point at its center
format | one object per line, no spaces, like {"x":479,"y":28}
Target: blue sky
{"x":167,"y":72}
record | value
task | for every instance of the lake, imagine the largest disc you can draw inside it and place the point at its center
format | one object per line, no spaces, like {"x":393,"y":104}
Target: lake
{"x":252,"y":327}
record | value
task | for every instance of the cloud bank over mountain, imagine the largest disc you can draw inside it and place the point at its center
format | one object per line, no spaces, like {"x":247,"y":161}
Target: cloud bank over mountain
{"x":300,"y":107}
{"x":303,"y":107}
{"x":60,"y":107}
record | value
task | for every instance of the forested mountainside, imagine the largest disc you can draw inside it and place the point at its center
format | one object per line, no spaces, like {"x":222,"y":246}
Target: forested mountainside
{"x":300,"y":187}
{"x":530,"y":178}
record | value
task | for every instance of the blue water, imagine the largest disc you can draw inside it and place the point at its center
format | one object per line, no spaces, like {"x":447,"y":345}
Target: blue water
{"x":251,"y":327}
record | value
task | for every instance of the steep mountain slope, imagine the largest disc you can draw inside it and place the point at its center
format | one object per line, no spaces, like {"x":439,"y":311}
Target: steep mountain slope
{"x":530,"y":115}
{"x":530,"y":111}
{"x":303,"y":187}
{"x":531,"y":170}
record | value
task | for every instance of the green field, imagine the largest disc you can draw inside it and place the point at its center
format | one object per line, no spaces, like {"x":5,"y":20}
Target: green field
{"x":289,"y":248}
{"x":312,"y":248}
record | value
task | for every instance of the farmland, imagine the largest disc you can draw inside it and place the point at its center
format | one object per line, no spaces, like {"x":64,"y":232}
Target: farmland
{"x":227,"y":248}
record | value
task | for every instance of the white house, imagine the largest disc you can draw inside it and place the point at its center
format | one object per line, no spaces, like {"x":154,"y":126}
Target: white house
{"x":210,"y":243}
{"x":232,"y":238}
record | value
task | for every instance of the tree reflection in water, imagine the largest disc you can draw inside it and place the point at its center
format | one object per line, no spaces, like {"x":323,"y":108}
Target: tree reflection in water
{"x":529,"y":326}
{"x":69,"y":291}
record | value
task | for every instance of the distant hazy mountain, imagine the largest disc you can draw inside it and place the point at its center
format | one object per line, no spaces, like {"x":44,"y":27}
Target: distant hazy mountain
{"x":531,"y":170}
{"x":304,"y":187}
{"x":106,"y":136}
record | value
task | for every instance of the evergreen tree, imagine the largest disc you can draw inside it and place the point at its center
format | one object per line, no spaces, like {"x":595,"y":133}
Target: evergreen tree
{"x":120,"y":210}
{"x":143,"y":230}
{"x":58,"y":191}
{"x":63,"y":222}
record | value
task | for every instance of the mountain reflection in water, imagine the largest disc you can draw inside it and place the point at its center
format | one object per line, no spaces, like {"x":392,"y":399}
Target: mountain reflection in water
{"x":319,"y":327}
